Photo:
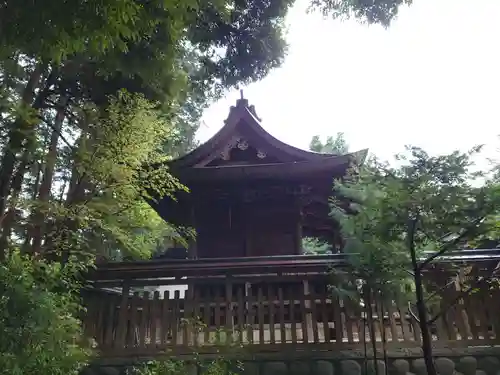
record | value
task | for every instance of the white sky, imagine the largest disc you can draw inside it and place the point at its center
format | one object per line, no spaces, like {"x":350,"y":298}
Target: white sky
{"x":431,"y":80}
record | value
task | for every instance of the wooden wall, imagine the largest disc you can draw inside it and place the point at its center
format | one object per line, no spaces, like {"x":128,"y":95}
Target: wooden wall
{"x":245,"y":229}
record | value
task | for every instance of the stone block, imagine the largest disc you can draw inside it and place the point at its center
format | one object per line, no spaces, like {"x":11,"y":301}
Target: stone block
{"x":323,"y":368}
{"x":490,"y":365}
{"x":300,"y":368}
{"x":275,"y":368}
{"x":445,"y":366}
{"x":350,"y":367}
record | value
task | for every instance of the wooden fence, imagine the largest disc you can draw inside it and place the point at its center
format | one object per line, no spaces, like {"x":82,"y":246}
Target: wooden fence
{"x":266,"y":311}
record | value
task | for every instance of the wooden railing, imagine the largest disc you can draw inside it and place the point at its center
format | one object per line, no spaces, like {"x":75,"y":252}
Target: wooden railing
{"x":265,"y":308}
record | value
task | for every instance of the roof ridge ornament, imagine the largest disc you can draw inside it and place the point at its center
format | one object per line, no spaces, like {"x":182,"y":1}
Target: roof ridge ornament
{"x":242,"y":102}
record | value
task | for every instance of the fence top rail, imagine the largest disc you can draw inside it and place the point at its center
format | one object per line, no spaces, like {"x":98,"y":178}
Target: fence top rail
{"x":278,"y":265}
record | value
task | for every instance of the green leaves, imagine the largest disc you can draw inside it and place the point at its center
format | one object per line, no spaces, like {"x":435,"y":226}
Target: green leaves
{"x":38,"y":310}
{"x":337,"y":145}
{"x":370,"y":11}
{"x":437,"y":195}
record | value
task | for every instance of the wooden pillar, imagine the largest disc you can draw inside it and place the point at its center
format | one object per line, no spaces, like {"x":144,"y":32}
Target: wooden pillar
{"x":298,"y":230}
{"x":247,"y":243}
{"x":193,"y":242}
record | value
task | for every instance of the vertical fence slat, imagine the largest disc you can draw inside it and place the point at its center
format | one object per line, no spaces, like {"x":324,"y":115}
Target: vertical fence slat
{"x":314,"y":314}
{"x":493,"y":309}
{"x":207,"y":318}
{"x":196,"y":316}
{"x":471,"y":318}
{"x":339,"y":329}
{"x":348,"y":321}
{"x":241,"y":313}
{"x":304,"y":313}
{"x":250,"y":313}
{"x":100,"y":327}
{"x":442,"y":333}
{"x":450,"y":323}
{"x":154,"y":303}
{"x":89,"y":316}
{"x":187,"y":319}
{"x":217,"y":313}
{"x":482,"y":313}
{"x":131,"y":334}
{"x":324,"y":315}
{"x":448,"y":316}
{"x":293,"y":315}
{"x":165,"y":318}
{"x":110,"y":321}
{"x":403,"y":311}
{"x":121,"y":329}
{"x":281,"y":301}
{"x":271,"y":295}
{"x":144,"y":318}
{"x":260,"y":309}
{"x":392,"y":320}
{"x":176,"y":317}
{"x":462,"y":325}
{"x":229,"y":310}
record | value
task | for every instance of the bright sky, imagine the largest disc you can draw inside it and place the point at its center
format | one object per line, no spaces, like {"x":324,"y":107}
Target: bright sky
{"x":432,"y":80}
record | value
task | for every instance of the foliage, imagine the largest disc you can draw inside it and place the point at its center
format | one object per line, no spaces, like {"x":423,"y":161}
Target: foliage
{"x":88,"y":106}
{"x":217,"y":366}
{"x":333,"y":145}
{"x":92,"y":105}
{"x":224,"y":341}
{"x":427,"y":203}
{"x":312,"y":245}
{"x":370,"y":11}
{"x":39,"y":306}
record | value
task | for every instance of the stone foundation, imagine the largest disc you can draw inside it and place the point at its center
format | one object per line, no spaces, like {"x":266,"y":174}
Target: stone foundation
{"x":476,"y":361}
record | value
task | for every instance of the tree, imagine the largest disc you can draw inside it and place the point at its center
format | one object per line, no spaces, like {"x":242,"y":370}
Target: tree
{"x":40,"y":331}
{"x":88,"y":104}
{"x":333,"y":145}
{"x":172,"y":59}
{"x":427,"y":203}
{"x":373,"y":12}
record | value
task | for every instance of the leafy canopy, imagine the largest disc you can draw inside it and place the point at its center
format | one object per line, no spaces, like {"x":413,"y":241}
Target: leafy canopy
{"x":426,"y":203}
{"x":39,"y":304}
{"x":380,"y":12}
{"x":333,"y":145}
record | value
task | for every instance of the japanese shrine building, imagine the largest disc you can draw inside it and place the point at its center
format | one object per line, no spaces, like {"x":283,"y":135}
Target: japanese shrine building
{"x":253,"y":195}
{"x":251,"y":200}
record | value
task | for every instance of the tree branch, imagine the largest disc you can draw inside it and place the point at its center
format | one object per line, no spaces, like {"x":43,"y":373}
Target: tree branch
{"x":451,"y":244}
{"x":452,"y":303}
{"x":464,"y":293}
{"x":413,"y":315}
{"x":439,"y":290}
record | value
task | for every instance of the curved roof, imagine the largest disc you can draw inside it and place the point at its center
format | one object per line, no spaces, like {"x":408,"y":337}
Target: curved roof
{"x":243,"y":121}
{"x":276,"y":170}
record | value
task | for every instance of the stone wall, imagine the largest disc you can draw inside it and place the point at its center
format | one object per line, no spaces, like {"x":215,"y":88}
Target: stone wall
{"x":467,"y":365}
{"x":483,"y":361}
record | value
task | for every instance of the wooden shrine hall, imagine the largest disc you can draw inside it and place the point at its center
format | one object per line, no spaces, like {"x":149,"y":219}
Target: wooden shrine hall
{"x":253,"y":195}
{"x":251,"y":201}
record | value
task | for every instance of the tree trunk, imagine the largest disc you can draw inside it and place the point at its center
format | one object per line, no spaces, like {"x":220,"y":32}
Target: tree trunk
{"x":422,"y":317}
{"x":48,"y":175}
{"x":60,"y":231}
{"x":16,"y":137}
{"x":371,"y":327}
{"x":10,"y":215}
